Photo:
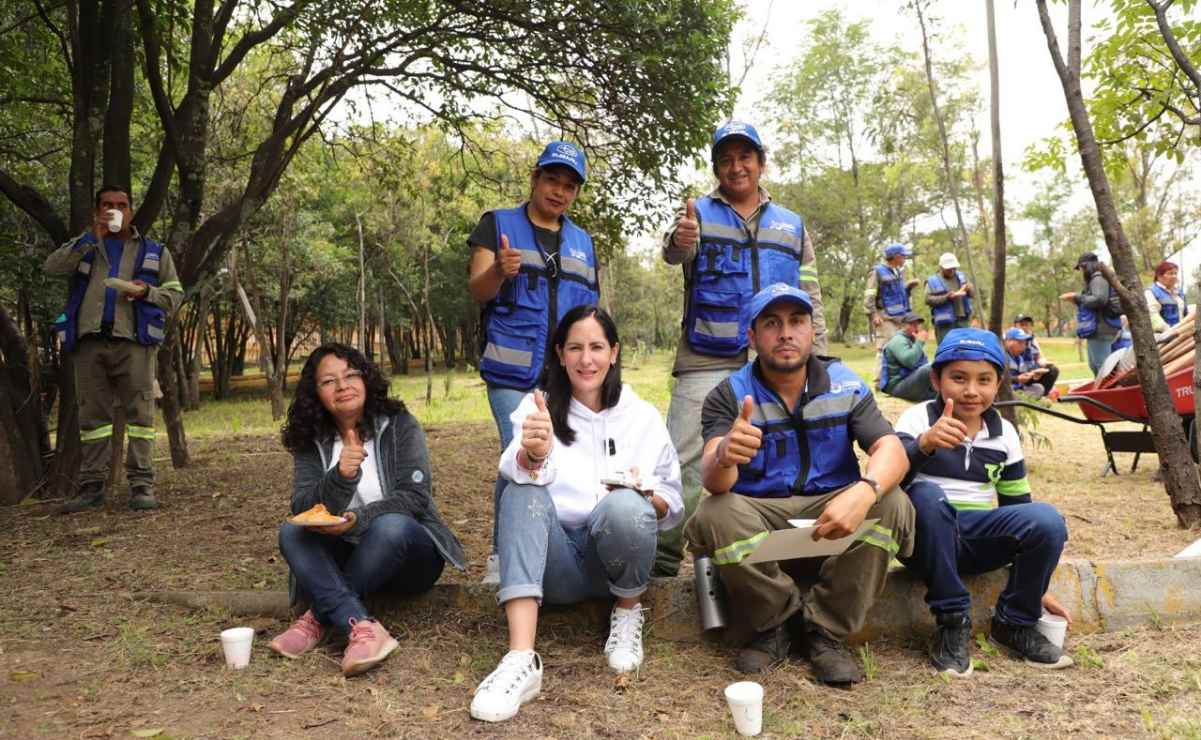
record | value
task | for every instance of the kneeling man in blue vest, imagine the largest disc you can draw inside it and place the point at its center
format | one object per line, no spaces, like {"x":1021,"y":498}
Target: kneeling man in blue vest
{"x":778,"y":438}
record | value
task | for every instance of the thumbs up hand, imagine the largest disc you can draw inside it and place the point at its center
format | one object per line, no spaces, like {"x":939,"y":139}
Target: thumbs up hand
{"x":743,"y":440}
{"x":537,"y":431}
{"x":688,"y":229}
{"x":508,"y":260}
{"x":947,"y":433}
{"x":353,"y":455}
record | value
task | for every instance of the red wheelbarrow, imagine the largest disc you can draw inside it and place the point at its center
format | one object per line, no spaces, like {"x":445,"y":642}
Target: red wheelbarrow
{"x":1125,"y":403}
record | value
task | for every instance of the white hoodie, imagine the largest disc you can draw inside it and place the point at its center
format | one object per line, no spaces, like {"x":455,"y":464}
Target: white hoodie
{"x":572,"y":473}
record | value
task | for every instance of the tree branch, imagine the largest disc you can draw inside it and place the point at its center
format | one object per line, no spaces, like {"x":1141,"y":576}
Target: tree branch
{"x":1178,"y":55}
{"x":35,"y":205}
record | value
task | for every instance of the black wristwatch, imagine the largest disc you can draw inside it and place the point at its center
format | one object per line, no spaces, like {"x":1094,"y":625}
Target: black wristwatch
{"x":875,"y":486}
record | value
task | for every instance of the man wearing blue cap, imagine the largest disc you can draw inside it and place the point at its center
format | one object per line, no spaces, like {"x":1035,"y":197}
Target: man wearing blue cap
{"x":778,"y":446}
{"x":529,"y":265}
{"x":886,"y":298}
{"x":731,"y":243}
{"x":903,"y":363}
{"x":964,"y":460}
{"x":1025,"y":374}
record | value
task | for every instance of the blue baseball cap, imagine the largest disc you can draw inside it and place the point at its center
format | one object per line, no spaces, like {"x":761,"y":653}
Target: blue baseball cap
{"x":565,"y":154}
{"x":735,"y":129}
{"x":777,"y":292}
{"x":970,"y":344}
{"x":892,"y":250}
{"x":1016,"y":332}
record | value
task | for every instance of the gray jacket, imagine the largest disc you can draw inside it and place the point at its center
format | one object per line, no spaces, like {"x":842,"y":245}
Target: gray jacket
{"x":403,"y":463}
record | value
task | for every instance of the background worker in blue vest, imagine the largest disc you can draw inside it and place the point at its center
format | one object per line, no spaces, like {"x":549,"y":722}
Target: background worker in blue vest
{"x":949,"y":296}
{"x":1165,"y":299}
{"x":114,"y":333}
{"x":730,"y":243}
{"x":1098,"y":312}
{"x":1033,"y":356}
{"x":529,"y":265}
{"x":1026,"y":375}
{"x":886,"y":297}
{"x":903,"y":371}
{"x":778,"y":446}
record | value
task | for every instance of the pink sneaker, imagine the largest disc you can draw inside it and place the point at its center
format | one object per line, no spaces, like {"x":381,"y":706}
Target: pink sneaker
{"x":305,"y":634}
{"x":369,"y":644}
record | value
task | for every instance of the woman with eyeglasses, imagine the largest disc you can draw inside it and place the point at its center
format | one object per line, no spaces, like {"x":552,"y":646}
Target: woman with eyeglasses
{"x":363,"y":457}
{"x":592,"y":479}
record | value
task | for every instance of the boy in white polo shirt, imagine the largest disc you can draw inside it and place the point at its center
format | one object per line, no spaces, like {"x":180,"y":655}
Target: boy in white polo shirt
{"x":965,"y":460}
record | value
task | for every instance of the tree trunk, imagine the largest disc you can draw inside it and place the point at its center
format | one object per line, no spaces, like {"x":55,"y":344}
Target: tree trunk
{"x":20,"y":415}
{"x":1179,"y":473}
{"x":951,"y":175}
{"x":996,"y":319}
{"x":362,"y":293}
{"x":177,"y":438}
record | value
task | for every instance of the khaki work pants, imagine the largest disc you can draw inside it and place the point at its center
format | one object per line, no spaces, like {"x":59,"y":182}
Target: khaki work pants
{"x":109,"y":371}
{"x":727,"y":528}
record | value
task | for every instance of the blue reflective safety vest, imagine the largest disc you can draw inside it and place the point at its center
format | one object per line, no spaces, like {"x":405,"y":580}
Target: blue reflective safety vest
{"x":149,"y":320}
{"x":731,"y":265}
{"x":519,"y":321}
{"x":805,"y":455}
{"x":1168,"y":308}
{"x":891,"y":372}
{"x":1086,"y":319}
{"x":891,"y":294}
{"x":944,"y":313}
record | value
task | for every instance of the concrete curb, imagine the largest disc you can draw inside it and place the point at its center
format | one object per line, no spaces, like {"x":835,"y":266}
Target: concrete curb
{"x":1102,"y":596}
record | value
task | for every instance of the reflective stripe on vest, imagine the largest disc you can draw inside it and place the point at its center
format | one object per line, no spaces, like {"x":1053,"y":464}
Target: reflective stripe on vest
{"x":811,"y":455}
{"x":1169,"y":309}
{"x":891,"y":295}
{"x":730,"y":266}
{"x":944,"y":313}
{"x":519,"y":321}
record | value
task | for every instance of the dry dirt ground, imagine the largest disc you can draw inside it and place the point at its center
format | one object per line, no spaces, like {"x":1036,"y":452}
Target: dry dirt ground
{"x":76,"y":660}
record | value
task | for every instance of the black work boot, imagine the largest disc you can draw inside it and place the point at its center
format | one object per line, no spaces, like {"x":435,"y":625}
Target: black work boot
{"x":765,"y":650}
{"x":1030,"y":644}
{"x":951,"y":651}
{"x":142,"y":498}
{"x":832,"y":661}
{"x":90,"y":496}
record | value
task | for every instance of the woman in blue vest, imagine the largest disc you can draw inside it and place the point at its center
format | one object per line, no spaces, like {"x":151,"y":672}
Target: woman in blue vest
{"x":1098,"y":314}
{"x":529,"y":266}
{"x":1165,"y":299}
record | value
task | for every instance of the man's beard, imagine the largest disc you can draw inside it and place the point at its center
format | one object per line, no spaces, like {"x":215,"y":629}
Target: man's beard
{"x":788,"y":366}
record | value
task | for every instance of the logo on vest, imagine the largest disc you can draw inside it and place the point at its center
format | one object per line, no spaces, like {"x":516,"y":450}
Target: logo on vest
{"x":782,"y":226}
{"x":578,"y":254}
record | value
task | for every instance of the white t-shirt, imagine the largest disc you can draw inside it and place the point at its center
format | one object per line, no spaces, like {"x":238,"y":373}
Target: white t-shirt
{"x":369,"y":489}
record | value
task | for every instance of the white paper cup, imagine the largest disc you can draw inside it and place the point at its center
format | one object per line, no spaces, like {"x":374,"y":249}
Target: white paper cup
{"x":236,"y":644}
{"x":746,"y":704}
{"x":1053,"y":627}
{"x":115,"y":220}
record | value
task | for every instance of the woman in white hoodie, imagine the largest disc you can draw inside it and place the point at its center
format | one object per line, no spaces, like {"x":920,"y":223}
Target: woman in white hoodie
{"x":593,"y":476}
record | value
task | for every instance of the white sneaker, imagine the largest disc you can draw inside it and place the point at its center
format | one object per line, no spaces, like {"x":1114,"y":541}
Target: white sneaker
{"x":515,"y":681}
{"x":624,"y":646}
{"x":492,"y":571}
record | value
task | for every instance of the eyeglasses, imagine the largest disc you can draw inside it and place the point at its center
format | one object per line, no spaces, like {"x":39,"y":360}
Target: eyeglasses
{"x":331,"y":382}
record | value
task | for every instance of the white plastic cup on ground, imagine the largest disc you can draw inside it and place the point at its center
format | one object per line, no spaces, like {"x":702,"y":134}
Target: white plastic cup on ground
{"x":115,"y":220}
{"x":746,"y":704}
{"x":1053,"y":627}
{"x":236,"y":644}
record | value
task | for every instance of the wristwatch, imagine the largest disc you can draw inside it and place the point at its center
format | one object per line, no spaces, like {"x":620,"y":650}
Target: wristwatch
{"x":875,"y":486}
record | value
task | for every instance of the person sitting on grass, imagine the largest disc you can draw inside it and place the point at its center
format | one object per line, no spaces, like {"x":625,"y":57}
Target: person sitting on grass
{"x":1034,"y":357}
{"x":568,"y":531}
{"x":964,"y":459}
{"x":363,"y":456}
{"x":1024,"y":373}
{"x":903,"y":371}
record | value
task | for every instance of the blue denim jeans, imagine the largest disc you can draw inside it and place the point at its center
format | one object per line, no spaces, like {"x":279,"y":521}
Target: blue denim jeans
{"x":503,"y":401}
{"x":611,"y":554}
{"x":1098,"y":349}
{"x":395,"y":555}
{"x":951,"y":542}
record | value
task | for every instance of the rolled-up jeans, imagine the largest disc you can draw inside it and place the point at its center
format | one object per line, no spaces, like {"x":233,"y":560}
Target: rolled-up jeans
{"x":611,"y":553}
